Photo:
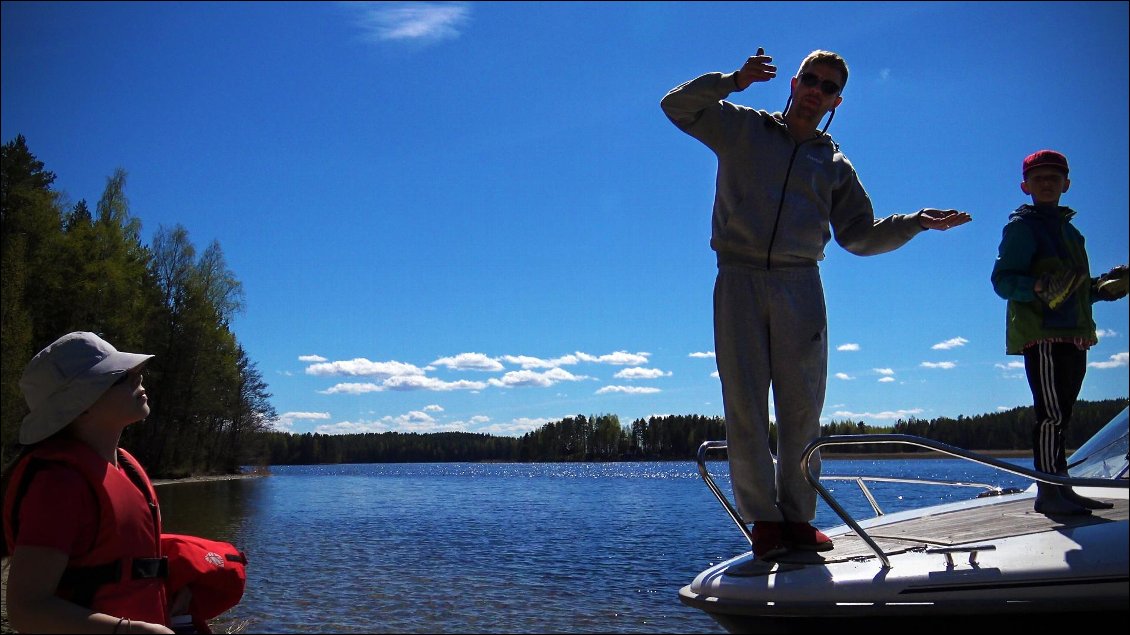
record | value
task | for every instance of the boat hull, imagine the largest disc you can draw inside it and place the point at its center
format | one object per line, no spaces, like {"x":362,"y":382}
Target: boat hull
{"x":982,"y":562}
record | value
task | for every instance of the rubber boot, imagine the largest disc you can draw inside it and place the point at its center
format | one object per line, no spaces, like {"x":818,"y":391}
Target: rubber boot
{"x":1050,"y":500}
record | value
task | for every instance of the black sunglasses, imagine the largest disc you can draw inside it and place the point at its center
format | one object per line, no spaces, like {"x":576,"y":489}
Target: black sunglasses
{"x":126,"y":376}
{"x":827,"y":87}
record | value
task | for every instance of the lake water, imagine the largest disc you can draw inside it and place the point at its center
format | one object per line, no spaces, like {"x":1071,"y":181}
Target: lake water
{"x":501,"y":548}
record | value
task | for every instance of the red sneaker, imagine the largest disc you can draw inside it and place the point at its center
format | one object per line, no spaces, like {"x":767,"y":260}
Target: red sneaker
{"x":767,"y":541}
{"x":806,"y":537}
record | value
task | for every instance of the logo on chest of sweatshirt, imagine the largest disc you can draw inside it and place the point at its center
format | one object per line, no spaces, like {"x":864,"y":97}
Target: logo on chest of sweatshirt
{"x":815,"y":158}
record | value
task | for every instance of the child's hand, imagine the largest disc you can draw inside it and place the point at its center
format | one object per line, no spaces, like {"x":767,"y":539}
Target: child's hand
{"x":1113,"y":284}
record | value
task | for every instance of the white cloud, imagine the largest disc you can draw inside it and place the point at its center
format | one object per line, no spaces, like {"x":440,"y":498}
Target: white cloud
{"x":844,"y":376}
{"x":361,"y":367}
{"x":305,"y":415}
{"x":469,"y":361}
{"x":884,"y":371}
{"x":420,"y":21}
{"x":1102,"y":333}
{"x":515,"y":428}
{"x":414,"y":382}
{"x":884,"y":74}
{"x":352,"y":427}
{"x":403,"y":383}
{"x":953,"y":342}
{"x":886,"y":380}
{"x":641,"y":373}
{"x":352,"y":389}
{"x":532,"y":378}
{"x":703,"y":355}
{"x":286,"y":421}
{"x":1013,"y":365}
{"x":628,"y":390}
{"x":886,"y":414}
{"x":619,"y":358}
{"x":527,"y":362}
{"x":433,"y":408}
{"x":309,"y":359}
{"x":851,"y":346}
{"x":942,"y":365}
{"x":1116,"y":360}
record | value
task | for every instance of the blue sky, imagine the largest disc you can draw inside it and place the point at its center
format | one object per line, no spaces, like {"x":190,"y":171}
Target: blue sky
{"x":475,"y":216}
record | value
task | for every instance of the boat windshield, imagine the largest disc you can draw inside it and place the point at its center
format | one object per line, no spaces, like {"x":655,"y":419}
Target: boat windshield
{"x":1105,"y":454}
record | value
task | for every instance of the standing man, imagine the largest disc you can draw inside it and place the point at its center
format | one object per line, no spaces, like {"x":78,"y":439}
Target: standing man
{"x":783,"y":188}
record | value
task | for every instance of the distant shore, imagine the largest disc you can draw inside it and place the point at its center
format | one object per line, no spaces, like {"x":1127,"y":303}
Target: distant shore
{"x":201,"y":479}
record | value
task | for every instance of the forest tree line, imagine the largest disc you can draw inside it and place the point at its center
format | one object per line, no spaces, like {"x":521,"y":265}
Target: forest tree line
{"x":65,"y":267}
{"x":674,"y":437}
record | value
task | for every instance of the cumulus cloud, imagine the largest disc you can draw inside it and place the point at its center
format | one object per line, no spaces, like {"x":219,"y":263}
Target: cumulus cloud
{"x":533,"y":378}
{"x":703,"y":355}
{"x":310,"y":359}
{"x":942,"y":365}
{"x":886,"y":414}
{"x":844,"y":376}
{"x":953,"y":342}
{"x":527,"y":362}
{"x":850,"y":346}
{"x":641,"y":373}
{"x":886,"y":380}
{"x":619,"y":358}
{"x":514,"y":428}
{"x":286,"y":421}
{"x":884,"y":371}
{"x":469,"y":361}
{"x":411,"y":21}
{"x":1115,"y":361}
{"x":1102,"y":333}
{"x":628,"y":390}
{"x":403,"y":383}
{"x":1013,"y":365}
{"x":361,"y":367}
{"x":414,"y":382}
{"x":352,"y":389}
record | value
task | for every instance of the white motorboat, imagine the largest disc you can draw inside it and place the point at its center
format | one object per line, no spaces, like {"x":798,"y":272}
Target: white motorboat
{"x":987,"y":561}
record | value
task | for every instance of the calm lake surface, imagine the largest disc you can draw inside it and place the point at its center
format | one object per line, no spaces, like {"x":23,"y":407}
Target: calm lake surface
{"x":500,"y":548}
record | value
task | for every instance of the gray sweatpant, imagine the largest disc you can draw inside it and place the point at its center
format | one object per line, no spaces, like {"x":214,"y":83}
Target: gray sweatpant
{"x":771,"y":328}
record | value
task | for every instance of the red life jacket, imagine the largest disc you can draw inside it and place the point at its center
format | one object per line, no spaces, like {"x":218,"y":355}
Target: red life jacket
{"x":123,"y":573}
{"x":214,"y":571}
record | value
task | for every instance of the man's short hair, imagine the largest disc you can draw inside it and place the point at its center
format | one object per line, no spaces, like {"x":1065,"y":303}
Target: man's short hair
{"x":827,"y":58}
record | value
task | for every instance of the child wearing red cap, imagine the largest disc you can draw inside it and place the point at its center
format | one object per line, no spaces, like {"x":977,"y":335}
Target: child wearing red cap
{"x":1043,"y":272}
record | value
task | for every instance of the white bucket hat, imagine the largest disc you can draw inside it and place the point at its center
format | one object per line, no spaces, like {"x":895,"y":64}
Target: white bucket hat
{"x":66,"y":378}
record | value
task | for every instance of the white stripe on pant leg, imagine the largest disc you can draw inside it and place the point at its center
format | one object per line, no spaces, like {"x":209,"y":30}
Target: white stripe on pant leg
{"x":1047,"y":428}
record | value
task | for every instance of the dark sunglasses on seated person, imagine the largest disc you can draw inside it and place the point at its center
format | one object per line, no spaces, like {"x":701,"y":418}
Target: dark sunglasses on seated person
{"x":827,"y":87}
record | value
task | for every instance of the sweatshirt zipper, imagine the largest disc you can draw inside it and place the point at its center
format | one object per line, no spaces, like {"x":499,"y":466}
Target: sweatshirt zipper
{"x":781,"y":205}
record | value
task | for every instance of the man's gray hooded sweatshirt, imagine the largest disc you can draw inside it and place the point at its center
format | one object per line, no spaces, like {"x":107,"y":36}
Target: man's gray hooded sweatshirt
{"x":776,"y":205}
{"x":775,"y":198}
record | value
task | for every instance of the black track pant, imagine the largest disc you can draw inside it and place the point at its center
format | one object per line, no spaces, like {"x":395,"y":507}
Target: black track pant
{"x":1055,"y":375}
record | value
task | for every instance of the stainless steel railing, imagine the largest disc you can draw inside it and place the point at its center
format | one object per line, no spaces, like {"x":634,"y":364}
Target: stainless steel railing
{"x":860,"y":480}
